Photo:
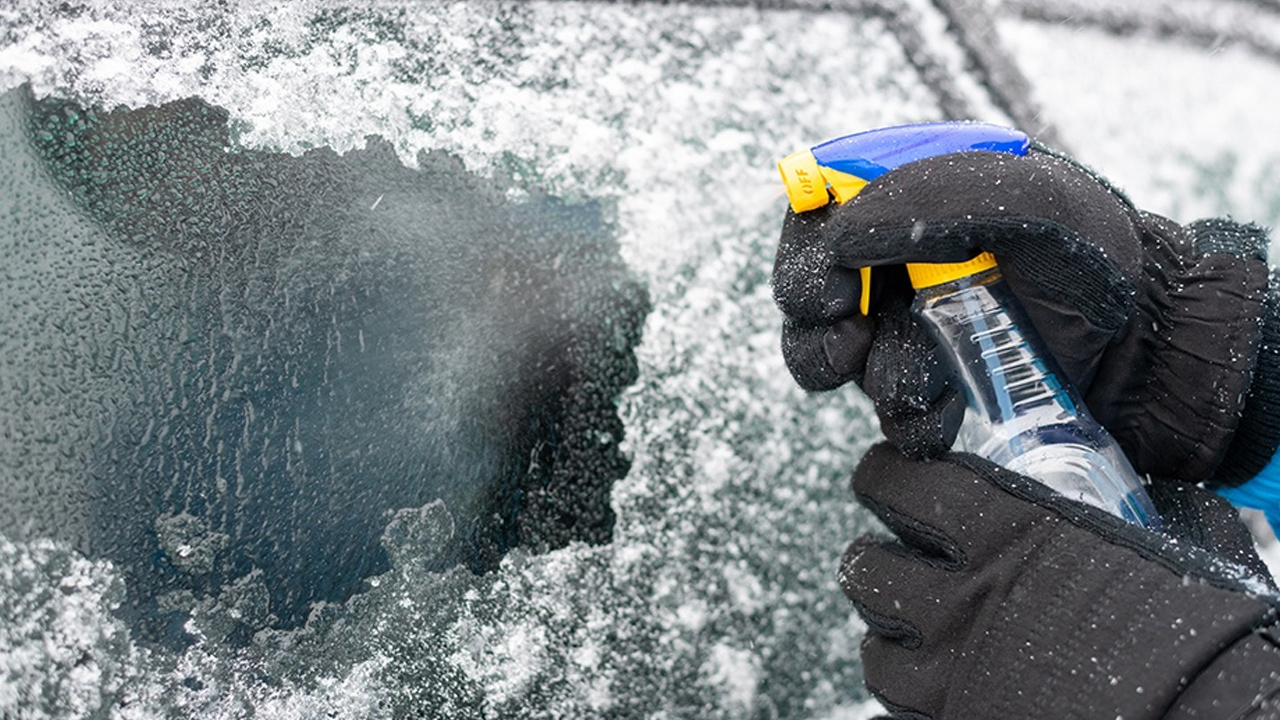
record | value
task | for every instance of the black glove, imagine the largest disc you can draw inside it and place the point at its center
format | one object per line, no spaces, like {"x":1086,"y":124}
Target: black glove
{"x":1002,"y":599}
{"x":1159,"y":326}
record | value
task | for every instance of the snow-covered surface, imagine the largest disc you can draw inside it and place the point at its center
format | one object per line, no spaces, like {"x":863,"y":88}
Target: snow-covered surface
{"x":717,"y":596}
{"x":1187,"y":130}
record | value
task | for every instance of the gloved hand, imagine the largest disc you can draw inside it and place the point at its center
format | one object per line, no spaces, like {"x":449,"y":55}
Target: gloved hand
{"x":1159,"y":326}
{"x":1002,"y":599}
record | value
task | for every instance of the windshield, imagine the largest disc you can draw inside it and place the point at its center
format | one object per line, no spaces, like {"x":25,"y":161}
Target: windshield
{"x":421,"y":360}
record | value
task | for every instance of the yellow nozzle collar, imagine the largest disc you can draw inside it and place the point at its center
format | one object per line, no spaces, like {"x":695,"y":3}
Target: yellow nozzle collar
{"x":925,"y":275}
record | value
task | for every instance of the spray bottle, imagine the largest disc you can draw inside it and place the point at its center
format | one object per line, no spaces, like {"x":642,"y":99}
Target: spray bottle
{"x":1022,"y":412}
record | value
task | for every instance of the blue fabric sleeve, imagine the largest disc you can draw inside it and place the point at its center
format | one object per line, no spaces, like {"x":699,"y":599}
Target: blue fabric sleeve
{"x":1261,"y":492}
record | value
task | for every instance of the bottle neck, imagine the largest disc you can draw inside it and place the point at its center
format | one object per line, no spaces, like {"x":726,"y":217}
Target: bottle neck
{"x":986,"y":277}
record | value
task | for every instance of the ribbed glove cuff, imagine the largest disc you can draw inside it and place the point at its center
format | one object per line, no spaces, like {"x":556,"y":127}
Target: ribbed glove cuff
{"x":1258,"y":436}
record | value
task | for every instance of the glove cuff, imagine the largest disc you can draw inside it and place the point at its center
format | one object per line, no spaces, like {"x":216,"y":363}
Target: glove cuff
{"x":1181,"y":376}
{"x":1253,"y":448}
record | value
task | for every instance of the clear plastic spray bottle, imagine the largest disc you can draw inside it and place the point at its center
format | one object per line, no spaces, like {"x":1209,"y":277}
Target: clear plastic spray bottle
{"x":1023,"y":414}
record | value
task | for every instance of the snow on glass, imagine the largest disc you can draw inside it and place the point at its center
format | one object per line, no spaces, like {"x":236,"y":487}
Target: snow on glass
{"x":714,"y":594}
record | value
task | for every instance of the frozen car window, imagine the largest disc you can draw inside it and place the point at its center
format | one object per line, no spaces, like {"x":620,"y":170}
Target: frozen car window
{"x":421,"y":360}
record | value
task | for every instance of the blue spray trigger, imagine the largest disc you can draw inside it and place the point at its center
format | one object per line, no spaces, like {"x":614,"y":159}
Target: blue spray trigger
{"x":870,"y":154}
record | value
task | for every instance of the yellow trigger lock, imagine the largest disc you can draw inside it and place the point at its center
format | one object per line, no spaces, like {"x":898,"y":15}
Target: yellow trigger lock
{"x":811,"y":186}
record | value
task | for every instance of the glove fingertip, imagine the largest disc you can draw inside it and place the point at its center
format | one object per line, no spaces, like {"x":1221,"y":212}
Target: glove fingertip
{"x":803,"y":276}
{"x":929,"y":433}
{"x":821,"y":358}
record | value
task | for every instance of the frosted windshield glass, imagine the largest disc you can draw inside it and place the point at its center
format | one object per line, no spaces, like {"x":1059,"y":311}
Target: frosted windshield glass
{"x":420,"y":360}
